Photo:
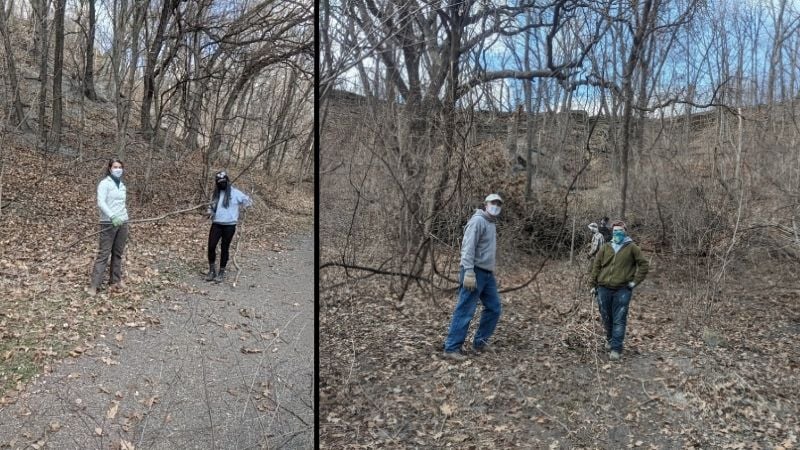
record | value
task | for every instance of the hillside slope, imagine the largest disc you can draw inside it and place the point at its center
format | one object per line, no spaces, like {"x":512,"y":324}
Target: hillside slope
{"x":709,"y":359}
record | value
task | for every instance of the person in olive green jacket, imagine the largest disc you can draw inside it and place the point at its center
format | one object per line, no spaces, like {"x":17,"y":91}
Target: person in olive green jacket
{"x":618,"y":267}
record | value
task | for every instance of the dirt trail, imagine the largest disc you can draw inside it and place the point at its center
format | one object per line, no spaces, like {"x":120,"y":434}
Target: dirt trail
{"x":220,"y":367}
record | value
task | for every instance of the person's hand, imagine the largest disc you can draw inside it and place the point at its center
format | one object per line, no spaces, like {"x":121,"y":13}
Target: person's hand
{"x":631,"y":285}
{"x":116,"y":221}
{"x":593,"y":291}
{"x":469,"y":280}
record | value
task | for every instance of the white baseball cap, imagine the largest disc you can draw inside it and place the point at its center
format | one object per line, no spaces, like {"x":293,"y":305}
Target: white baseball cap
{"x":493,"y":197}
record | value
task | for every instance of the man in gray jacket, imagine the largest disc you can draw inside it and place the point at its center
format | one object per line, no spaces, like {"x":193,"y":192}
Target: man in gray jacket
{"x":478,"y":249}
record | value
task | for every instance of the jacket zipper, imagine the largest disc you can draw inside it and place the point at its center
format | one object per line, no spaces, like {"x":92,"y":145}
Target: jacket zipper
{"x":614,"y":258}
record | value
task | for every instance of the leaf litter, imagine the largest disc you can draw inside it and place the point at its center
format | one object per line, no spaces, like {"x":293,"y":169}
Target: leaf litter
{"x":46,"y":315}
{"x":686,"y":380}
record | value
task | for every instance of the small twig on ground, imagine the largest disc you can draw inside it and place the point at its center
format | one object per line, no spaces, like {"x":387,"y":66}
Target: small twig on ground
{"x":650,"y":397}
{"x":292,"y":435}
{"x":251,"y":387}
{"x":236,"y":250}
{"x":566,"y":428}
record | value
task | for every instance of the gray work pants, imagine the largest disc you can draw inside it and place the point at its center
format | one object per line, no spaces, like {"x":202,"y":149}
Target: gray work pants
{"x":112,"y":243}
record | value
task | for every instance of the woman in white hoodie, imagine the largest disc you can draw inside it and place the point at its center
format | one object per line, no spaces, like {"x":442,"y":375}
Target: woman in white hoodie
{"x":111,"y":200}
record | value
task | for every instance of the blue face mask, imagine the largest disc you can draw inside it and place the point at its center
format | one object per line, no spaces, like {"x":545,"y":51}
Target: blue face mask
{"x":493,"y":209}
{"x":617,"y":236}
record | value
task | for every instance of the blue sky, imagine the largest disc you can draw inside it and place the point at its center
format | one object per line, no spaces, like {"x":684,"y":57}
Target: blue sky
{"x":692,"y":64}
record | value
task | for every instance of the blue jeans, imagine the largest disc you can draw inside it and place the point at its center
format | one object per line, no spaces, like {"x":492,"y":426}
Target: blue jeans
{"x":486,"y":291}
{"x":614,"y":312}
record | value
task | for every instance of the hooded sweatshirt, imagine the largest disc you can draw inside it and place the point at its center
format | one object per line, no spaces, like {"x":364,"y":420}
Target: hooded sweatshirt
{"x":618,"y":264}
{"x":230,"y":215}
{"x":111,"y":200}
{"x":479,"y":245}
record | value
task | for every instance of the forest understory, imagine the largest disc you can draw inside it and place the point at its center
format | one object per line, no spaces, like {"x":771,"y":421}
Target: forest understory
{"x":693,"y":374}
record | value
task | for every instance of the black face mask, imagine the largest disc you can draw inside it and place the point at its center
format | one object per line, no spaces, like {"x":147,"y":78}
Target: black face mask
{"x":222,"y":185}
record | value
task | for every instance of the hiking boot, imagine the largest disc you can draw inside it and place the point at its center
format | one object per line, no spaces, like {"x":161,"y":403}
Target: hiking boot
{"x":614,"y":355}
{"x":457,"y":356}
{"x":220,"y":275}
{"x":211,"y":273}
{"x":483,"y":349}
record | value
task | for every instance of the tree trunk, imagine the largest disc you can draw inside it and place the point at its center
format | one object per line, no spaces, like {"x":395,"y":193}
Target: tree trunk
{"x":150,"y":66}
{"x":43,"y":59}
{"x":194,"y":99}
{"x":528,"y":89}
{"x":124,"y":98}
{"x":119,"y":13}
{"x":36,"y":26}
{"x":88,"y":72}
{"x":775,"y":63}
{"x":634,"y":58}
{"x":58,"y":70}
{"x":17,"y":110}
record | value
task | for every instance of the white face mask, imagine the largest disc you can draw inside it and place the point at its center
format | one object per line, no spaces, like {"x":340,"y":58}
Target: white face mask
{"x":116,"y":172}
{"x":493,"y":209}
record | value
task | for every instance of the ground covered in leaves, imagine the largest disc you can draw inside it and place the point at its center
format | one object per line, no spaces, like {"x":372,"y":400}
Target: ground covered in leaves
{"x":49,"y":216}
{"x":220,"y":366}
{"x":694,"y":374}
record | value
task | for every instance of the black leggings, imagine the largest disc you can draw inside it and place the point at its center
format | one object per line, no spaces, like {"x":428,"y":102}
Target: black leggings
{"x":226,"y":233}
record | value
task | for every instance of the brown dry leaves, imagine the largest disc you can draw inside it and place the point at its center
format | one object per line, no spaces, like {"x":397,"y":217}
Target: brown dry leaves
{"x":728,"y":380}
{"x":49,"y":201}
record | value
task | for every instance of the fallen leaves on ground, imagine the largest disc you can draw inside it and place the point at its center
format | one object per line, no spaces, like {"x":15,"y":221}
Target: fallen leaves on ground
{"x":692,"y":375}
{"x":48,"y":216}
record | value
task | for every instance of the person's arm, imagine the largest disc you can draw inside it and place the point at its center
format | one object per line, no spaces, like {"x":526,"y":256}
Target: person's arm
{"x":596,"y":265}
{"x":642,"y":265}
{"x":468,"y":244}
{"x":102,"y":195}
{"x":595,"y":244}
{"x":243,"y":199}
{"x":471,"y":234}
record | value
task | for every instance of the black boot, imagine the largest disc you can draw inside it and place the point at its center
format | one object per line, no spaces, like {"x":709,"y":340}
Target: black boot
{"x":211,"y":273}
{"x":220,"y":275}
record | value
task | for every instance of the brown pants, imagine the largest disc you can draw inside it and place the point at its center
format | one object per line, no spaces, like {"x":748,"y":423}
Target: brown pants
{"x":112,"y":242}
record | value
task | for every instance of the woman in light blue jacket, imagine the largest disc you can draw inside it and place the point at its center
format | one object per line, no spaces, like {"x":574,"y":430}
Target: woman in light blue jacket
{"x":111,"y":199}
{"x":224,"y":213}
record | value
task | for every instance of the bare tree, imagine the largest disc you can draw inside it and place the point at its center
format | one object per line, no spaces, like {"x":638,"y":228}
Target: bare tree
{"x":169,"y":10}
{"x":42,"y":12}
{"x":88,"y":70}
{"x":58,"y":71}
{"x":127,"y":23}
{"x":16,"y":107}
{"x":433,"y":57}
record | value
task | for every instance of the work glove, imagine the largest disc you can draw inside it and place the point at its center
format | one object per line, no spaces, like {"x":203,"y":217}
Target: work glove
{"x":593,"y":291}
{"x":116,"y":221}
{"x":469,"y":280}
{"x":631,"y":285}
